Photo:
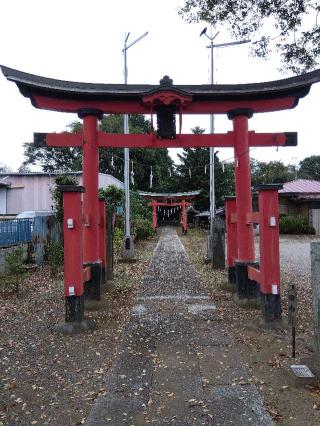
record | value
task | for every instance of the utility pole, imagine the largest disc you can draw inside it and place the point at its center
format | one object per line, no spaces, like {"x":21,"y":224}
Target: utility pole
{"x":128,"y":250}
{"x":211,"y":155}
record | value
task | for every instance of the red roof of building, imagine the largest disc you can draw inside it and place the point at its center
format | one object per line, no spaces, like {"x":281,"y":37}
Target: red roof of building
{"x":301,"y":186}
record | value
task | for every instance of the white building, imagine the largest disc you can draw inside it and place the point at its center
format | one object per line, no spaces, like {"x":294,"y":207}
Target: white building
{"x":32,"y":191}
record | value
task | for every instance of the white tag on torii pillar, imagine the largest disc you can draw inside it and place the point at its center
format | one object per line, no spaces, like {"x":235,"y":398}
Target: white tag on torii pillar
{"x":272,"y":221}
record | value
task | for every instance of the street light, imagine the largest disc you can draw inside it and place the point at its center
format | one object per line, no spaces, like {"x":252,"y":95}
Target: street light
{"x":212,"y":185}
{"x":128,"y":244}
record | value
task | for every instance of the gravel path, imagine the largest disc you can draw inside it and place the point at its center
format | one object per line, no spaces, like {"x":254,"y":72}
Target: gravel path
{"x":177,"y":364}
{"x":295,"y":255}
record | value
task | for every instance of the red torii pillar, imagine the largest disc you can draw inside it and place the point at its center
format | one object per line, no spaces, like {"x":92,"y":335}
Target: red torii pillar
{"x":268,"y":273}
{"x":246,"y":287}
{"x":91,"y":213}
{"x":231,"y":228}
{"x":184,"y":221}
{"x":91,"y":257}
{"x":154,"y":204}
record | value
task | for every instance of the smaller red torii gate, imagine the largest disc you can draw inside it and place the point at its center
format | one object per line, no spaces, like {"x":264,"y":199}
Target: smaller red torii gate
{"x":170,"y":199}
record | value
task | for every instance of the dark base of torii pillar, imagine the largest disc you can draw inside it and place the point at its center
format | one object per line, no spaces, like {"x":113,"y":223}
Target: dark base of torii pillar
{"x":92,"y":288}
{"x":247,"y":289}
{"x":271,"y":307}
{"x":75,"y":322}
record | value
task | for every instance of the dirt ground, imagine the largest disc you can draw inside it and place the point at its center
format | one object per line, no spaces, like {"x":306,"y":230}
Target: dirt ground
{"x":49,"y":379}
{"x":268,"y":354}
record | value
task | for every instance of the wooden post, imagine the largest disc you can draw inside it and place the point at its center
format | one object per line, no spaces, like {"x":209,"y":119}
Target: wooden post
{"x":315,"y":280}
{"x":218,"y":244}
{"x":109,"y":237}
{"x":102,"y":239}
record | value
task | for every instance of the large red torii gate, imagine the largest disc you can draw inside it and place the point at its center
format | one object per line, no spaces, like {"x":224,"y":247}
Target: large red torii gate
{"x":238,"y":102}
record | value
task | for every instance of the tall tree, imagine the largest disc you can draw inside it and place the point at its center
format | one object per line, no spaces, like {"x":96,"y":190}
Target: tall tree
{"x":193,"y":174}
{"x":310,"y":168}
{"x":296,"y":33}
{"x":4,"y":168}
{"x":270,"y":172}
{"x":54,"y":159}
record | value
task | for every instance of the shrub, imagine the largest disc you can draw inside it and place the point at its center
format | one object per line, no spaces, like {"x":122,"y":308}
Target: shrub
{"x":14,"y":269}
{"x":143,"y":229}
{"x":139,"y":207}
{"x":295,"y":225}
{"x":114,"y":196}
{"x":55,"y":256}
{"x":118,"y":237}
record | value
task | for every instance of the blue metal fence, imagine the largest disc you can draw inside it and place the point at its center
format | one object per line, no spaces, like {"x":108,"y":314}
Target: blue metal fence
{"x":15,"y":231}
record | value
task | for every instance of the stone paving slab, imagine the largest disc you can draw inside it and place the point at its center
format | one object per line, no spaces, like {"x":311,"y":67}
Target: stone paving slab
{"x":176,"y":363}
{"x":187,"y":308}
{"x":237,"y":405}
{"x":176,"y":382}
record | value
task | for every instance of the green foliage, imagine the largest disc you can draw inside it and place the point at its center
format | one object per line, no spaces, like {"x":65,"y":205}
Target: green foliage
{"x":55,"y":256}
{"x":118,"y":237}
{"x":139,"y":207}
{"x":296,"y":36}
{"x":53,"y":159}
{"x":271,"y":172}
{"x":295,"y":225}
{"x":197,"y":161}
{"x":58,"y":197}
{"x":4,"y":168}
{"x":143,"y":229}
{"x":113,"y":195}
{"x":141,"y":217}
{"x":14,"y":269}
{"x":310,"y":168}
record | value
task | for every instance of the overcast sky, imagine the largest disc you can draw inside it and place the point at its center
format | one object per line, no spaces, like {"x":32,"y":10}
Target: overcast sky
{"x":82,"y":40}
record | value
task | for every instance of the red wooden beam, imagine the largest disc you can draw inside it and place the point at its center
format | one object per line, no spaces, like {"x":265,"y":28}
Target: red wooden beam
{"x":219,"y":140}
{"x":137,"y":107}
{"x":64,"y":140}
{"x":266,"y":139}
{"x":253,"y":217}
{"x":151,"y":141}
{"x":254,"y":274}
{"x":157,"y":204}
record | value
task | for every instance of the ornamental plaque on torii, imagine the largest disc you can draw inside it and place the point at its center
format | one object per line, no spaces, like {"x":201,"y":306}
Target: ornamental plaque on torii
{"x":239,"y":102}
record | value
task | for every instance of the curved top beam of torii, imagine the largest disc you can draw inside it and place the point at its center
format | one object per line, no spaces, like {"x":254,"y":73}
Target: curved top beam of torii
{"x":66,"y":96}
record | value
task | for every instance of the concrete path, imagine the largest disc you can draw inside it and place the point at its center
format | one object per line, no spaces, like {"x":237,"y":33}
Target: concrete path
{"x":176,"y":364}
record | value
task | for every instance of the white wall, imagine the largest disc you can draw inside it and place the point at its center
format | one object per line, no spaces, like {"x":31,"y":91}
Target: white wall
{"x":33,"y":192}
{"x":3,"y":200}
{"x":30,"y":192}
{"x":106,"y":180}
